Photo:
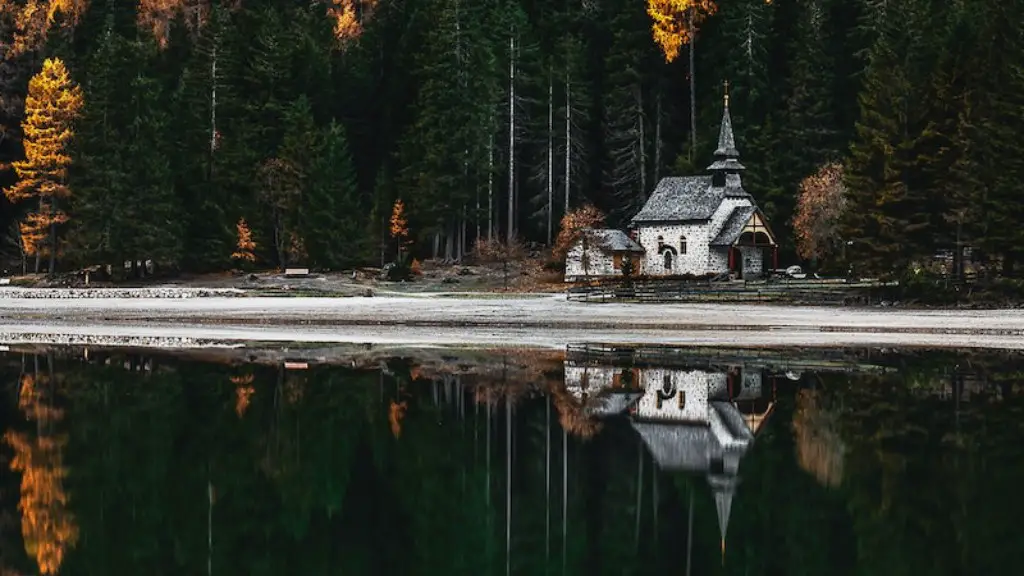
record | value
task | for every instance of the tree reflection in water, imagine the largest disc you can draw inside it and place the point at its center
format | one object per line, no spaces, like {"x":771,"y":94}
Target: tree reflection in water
{"x":485,"y":462}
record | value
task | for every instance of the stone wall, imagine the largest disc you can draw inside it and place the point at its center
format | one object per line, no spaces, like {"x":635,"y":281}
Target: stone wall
{"x":588,"y":379}
{"x":718,"y":261}
{"x":600,"y":264}
{"x":753,"y":261}
{"x":695,"y":261}
{"x":694,"y":386}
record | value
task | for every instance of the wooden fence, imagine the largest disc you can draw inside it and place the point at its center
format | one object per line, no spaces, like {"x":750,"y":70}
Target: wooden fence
{"x":811,"y":291}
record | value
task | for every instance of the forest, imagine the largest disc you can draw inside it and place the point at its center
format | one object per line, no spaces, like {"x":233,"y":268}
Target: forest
{"x":204,"y":135}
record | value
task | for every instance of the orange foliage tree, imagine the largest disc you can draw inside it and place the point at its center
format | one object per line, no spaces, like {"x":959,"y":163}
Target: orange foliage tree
{"x":157,"y":15}
{"x":349,"y":18}
{"x":33,"y":19}
{"x":675,"y":24}
{"x":573,"y":225}
{"x":820,"y":204}
{"x":245,"y":248}
{"x":48,"y":528}
{"x":399,"y":225}
{"x":51,"y":108}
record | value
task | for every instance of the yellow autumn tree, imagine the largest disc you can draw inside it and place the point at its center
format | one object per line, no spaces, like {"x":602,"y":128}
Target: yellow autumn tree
{"x":32,"y":21}
{"x":157,"y":15}
{"x":245,"y":248}
{"x":53,"y":104}
{"x":48,"y":528}
{"x":399,"y":225}
{"x":675,"y":24}
{"x":349,"y":17}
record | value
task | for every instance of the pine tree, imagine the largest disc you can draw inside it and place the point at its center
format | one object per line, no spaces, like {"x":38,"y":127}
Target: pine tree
{"x":53,"y":105}
{"x":888,"y":222}
{"x":209,"y":159}
{"x":997,"y":110}
{"x":628,"y":138}
{"x":330,"y":214}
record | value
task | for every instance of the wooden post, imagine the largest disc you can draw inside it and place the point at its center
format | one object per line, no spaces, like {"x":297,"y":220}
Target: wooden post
{"x":775,"y":257}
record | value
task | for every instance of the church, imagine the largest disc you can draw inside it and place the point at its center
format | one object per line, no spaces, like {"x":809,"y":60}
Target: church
{"x":705,"y":225}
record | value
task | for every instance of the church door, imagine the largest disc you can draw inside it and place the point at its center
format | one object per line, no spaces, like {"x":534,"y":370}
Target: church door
{"x":736,"y":262}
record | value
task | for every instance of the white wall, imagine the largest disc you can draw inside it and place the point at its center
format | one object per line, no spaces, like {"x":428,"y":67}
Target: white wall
{"x":589,"y":379}
{"x":600,"y":264}
{"x":753,"y":261}
{"x":718,"y":260}
{"x":696,"y":385}
{"x":695,"y":261}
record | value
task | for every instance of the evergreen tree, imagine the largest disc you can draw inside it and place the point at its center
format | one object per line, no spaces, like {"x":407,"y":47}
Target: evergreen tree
{"x":206,"y":162}
{"x":627,"y":134}
{"x":888,"y":222}
{"x":330,"y":213}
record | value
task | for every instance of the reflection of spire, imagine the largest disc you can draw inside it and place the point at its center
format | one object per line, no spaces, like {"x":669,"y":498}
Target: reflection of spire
{"x":724,"y":488}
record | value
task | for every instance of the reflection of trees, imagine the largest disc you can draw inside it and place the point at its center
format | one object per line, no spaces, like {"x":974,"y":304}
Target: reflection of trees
{"x":47,"y":525}
{"x":819,"y":449}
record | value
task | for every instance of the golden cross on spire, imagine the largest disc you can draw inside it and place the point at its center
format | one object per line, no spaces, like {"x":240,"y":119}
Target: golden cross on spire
{"x":726,"y":83}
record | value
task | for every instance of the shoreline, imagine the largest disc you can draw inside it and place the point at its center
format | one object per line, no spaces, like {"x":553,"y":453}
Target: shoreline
{"x":176,"y":336}
{"x":539,"y":320}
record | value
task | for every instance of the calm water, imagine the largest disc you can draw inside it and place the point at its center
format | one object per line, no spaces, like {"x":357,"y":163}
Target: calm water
{"x":651,"y":461}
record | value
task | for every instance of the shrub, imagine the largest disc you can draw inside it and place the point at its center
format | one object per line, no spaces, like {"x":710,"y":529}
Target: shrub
{"x":573,"y":225}
{"x":416,"y":269}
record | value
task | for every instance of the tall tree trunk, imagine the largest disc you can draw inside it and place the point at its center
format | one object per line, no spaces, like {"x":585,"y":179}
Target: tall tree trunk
{"x":39,"y":254}
{"x":551,"y":152}
{"x":53,"y":241}
{"x":568,"y":142}
{"x":693,"y":89}
{"x":490,"y":186}
{"x":642,"y":141}
{"x":657,"y":139}
{"x":213,"y":98}
{"x":511,"y":136}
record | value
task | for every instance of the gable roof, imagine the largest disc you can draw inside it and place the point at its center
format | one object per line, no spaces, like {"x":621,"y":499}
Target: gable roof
{"x":681,"y":198}
{"x":734,"y":225}
{"x":613,"y":240}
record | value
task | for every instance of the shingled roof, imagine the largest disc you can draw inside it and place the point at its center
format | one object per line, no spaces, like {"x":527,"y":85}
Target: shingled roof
{"x":682,"y":198}
{"x":613,"y":240}
{"x":733,"y":227}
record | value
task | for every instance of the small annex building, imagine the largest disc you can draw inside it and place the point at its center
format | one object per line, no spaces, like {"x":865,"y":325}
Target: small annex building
{"x":601,"y":253}
{"x":698,"y":225}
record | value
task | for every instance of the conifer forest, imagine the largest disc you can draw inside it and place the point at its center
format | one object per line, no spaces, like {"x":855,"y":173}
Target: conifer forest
{"x":201,"y":133}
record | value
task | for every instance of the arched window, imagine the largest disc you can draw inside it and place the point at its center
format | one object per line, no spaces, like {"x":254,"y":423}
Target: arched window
{"x":661,"y":241}
{"x":668,"y":261}
{"x":666,"y":391}
{"x":682,"y":244}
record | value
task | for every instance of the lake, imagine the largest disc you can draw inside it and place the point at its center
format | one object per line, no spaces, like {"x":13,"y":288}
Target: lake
{"x":441,"y":461}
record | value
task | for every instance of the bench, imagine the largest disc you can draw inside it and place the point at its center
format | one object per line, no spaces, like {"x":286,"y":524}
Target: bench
{"x":296,"y":272}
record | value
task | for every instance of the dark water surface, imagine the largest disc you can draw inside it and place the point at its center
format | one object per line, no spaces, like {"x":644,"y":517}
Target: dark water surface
{"x":586,"y":461}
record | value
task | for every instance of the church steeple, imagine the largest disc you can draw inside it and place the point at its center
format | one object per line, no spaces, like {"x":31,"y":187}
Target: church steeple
{"x":726,"y":168}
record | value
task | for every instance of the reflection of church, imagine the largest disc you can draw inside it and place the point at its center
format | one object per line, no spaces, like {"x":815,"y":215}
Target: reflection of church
{"x":698,"y":421}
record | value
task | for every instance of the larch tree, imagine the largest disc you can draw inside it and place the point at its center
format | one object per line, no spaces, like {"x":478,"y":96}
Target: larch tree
{"x":675,"y":25}
{"x":245,"y":247}
{"x":573,"y":224}
{"x":52,"y":106}
{"x":820,"y":205}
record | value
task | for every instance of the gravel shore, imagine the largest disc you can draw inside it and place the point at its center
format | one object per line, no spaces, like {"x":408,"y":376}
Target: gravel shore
{"x":463,"y":319}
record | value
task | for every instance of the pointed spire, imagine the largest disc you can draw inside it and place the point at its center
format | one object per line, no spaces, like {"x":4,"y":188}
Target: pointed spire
{"x":723,"y":487}
{"x":726,"y":140}
{"x":726,"y":167}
